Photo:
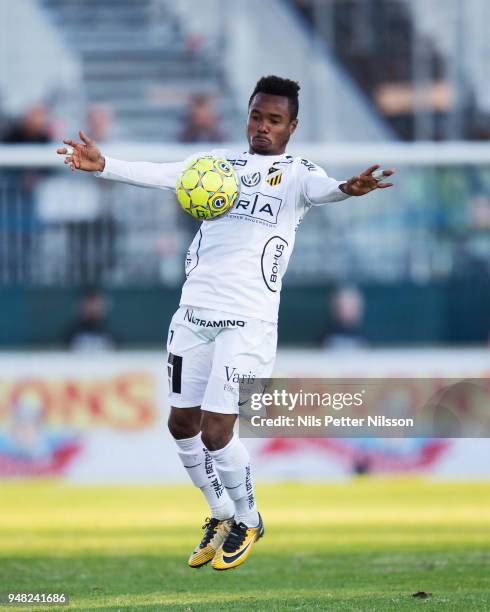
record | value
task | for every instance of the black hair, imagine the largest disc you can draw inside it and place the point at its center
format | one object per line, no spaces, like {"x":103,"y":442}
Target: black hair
{"x":277,"y":86}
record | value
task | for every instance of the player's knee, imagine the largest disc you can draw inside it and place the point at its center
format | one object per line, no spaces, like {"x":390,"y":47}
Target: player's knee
{"x":183,"y":423}
{"x":215,"y":437}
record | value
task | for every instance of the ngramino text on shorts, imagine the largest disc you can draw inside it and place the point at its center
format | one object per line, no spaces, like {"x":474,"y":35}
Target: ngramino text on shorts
{"x":189,"y":316}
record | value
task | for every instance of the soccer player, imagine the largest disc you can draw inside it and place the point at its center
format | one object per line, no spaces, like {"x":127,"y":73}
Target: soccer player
{"x":225,"y":330}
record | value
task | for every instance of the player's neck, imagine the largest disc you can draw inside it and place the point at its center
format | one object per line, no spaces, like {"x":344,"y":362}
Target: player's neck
{"x":260,"y":154}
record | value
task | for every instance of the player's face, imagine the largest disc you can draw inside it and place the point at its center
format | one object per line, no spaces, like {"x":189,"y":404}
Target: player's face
{"x":269,"y":124}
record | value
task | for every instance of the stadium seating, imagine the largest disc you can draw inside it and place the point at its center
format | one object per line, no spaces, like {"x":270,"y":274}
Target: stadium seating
{"x":413,"y":45}
{"x":137,"y":57}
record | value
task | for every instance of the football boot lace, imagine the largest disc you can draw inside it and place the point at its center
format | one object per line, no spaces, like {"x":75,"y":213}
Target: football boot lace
{"x":235,"y":538}
{"x":210,"y":526}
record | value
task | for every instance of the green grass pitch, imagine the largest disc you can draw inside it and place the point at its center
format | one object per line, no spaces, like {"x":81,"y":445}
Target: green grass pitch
{"x":368,"y":544}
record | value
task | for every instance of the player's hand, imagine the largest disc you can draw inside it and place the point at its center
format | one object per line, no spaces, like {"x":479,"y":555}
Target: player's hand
{"x":366,"y":182}
{"x":84,"y":156}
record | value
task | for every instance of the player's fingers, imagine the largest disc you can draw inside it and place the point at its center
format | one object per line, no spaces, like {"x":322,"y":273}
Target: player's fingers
{"x":74,"y":159}
{"x":389,"y":172}
{"x":384,"y":185}
{"x":62,"y":151}
{"x":370,"y":170}
{"x":70,"y":142}
{"x":68,"y":159}
{"x":84,"y":137}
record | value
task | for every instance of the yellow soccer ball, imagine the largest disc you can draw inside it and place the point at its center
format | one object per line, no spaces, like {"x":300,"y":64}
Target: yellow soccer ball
{"x":208,"y":188}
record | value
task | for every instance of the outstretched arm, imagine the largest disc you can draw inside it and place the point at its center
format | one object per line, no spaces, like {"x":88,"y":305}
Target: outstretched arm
{"x":86,"y":156}
{"x":367,"y":181}
{"x":319,"y":188}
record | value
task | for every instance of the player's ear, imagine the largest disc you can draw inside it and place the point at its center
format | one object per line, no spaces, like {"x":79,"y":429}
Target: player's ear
{"x":292,"y":126}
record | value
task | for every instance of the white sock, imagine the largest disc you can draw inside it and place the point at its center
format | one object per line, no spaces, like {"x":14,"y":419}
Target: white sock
{"x":200,"y":467}
{"x":233,"y":465}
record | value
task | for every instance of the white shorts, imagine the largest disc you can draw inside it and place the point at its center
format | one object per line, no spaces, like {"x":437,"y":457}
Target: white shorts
{"x":211,"y":352}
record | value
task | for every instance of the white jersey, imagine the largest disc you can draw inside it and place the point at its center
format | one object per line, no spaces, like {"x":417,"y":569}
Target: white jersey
{"x":236,"y":262}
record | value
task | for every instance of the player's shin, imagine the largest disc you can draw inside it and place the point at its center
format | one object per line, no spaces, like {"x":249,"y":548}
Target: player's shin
{"x":199,"y":464}
{"x":233,"y":465}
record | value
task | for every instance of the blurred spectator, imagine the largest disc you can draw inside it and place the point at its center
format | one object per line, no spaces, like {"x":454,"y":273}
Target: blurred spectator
{"x":19,"y":219}
{"x":345,"y":329}
{"x":33,"y":127}
{"x":3,"y":116}
{"x":100,"y":122}
{"x":89,"y":333}
{"x":195,"y":42}
{"x":201,"y":122}
{"x":471,"y":237}
{"x":88,"y":249}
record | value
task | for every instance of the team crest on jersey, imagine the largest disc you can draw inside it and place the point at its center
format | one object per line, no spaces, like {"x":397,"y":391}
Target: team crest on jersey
{"x":274,"y":176}
{"x":252,"y":179}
